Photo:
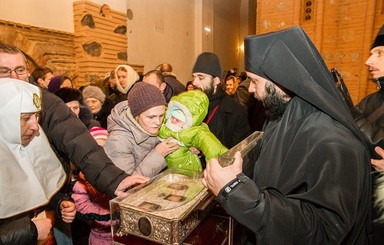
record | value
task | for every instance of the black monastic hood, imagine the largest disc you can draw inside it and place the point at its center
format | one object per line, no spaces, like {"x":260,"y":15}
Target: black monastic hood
{"x":290,"y":59}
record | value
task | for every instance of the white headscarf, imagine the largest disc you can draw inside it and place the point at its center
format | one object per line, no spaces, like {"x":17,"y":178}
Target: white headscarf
{"x":30,"y":175}
{"x":132,"y":77}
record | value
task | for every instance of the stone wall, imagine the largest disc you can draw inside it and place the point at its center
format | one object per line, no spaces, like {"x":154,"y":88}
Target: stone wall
{"x":342,"y":31}
{"x":97,"y":46}
{"x":43,"y":47}
{"x":100,"y":40}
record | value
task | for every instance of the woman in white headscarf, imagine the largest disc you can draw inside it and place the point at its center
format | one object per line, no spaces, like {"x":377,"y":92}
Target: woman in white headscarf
{"x":125,"y":77}
{"x":30,"y":173}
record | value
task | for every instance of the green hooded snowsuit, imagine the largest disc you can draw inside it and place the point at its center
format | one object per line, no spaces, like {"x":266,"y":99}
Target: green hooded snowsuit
{"x":194,"y":105}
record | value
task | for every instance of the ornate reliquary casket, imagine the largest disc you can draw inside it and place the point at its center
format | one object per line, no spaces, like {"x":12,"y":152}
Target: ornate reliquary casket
{"x":165,"y":211}
{"x":168,"y":208}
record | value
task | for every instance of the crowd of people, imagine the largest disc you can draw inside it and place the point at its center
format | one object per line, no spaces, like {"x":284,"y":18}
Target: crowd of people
{"x":316,"y":173}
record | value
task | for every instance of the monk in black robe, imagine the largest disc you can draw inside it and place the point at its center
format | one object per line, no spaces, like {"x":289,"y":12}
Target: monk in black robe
{"x":311,"y":182}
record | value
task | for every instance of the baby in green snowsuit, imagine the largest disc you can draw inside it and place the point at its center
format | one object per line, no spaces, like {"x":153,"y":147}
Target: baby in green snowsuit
{"x":184,"y":122}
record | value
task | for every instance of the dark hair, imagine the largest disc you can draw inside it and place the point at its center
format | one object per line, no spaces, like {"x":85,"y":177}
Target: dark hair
{"x":243,"y":76}
{"x":109,"y":75}
{"x":70,"y":94}
{"x":157,"y":73}
{"x":9,"y":49}
{"x":231,"y":72}
{"x":40,"y":72}
{"x":188,"y":83}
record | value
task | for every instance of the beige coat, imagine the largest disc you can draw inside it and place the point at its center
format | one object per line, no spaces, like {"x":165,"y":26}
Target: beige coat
{"x":129,"y":146}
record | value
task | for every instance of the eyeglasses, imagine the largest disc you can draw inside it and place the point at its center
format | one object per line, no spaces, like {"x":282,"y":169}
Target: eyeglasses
{"x":6,"y":72}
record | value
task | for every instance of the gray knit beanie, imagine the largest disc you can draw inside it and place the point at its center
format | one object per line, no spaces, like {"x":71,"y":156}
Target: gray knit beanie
{"x":208,"y":63}
{"x":93,"y":92}
{"x":144,"y":96}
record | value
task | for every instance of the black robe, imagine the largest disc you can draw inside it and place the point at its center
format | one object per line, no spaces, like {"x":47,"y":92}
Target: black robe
{"x":306,"y":183}
{"x":312,"y":182}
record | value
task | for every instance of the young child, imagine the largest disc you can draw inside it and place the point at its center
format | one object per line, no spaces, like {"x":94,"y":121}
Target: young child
{"x":184,"y":122}
{"x":93,"y":206}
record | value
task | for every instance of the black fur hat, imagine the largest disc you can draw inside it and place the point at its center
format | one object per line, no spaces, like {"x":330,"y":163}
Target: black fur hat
{"x":70,"y":94}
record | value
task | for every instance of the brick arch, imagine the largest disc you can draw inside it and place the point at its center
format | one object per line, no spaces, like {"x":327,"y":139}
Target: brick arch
{"x":41,"y":46}
{"x":34,"y":57}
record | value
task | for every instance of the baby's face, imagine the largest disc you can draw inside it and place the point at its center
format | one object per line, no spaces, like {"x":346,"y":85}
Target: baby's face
{"x":176,"y":121}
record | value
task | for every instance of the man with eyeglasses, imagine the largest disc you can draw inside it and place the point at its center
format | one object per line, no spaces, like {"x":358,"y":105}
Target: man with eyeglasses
{"x":69,"y":138}
{"x":226,"y":119}
{"x":6,"y":72}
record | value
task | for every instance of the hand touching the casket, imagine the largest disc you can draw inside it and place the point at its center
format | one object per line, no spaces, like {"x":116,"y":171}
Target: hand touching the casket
{"x":128,"y":182}
{"x":216,"y":177}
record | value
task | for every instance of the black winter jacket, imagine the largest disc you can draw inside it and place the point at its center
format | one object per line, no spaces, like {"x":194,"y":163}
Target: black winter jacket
{"x":230,"y":121}
{"x":70,"y":140}
{"x":373,"y":131}
{"x":104,"y":112}
{"x":172,"y":81}
{"x":18,"y":230}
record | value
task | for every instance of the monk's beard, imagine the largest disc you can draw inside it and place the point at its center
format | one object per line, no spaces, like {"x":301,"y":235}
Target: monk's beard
{"x":274,"y":102}
{"x":208,"y":90}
